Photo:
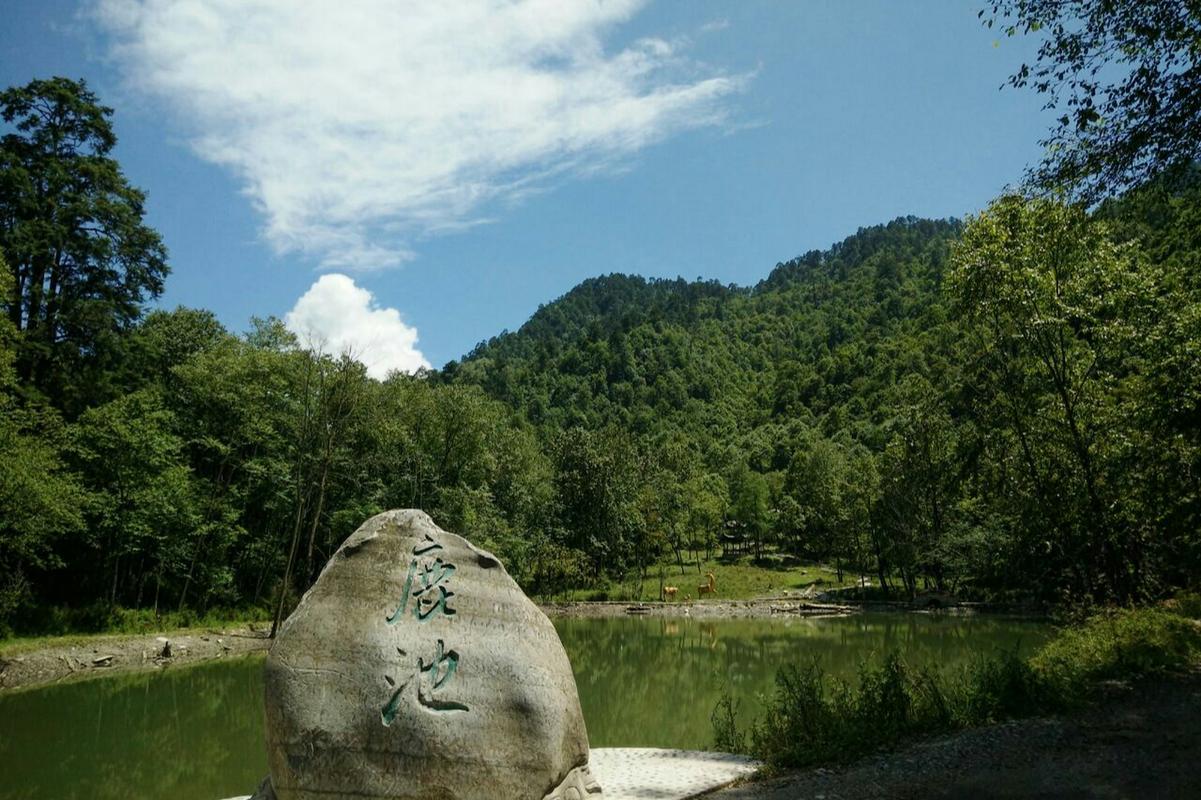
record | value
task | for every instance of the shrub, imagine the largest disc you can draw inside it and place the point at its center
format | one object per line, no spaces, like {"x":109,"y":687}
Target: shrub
{"x":1119,"y":645}
{"x":1187,"y":604}
{"x":809,"y":722}
{"x":726,"y":736}
{"x":992,"y":689}
{"x":801,"y":725}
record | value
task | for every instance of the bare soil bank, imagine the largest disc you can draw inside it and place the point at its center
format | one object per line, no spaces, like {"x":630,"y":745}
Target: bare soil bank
{"x":106,"y":655}
{"x":1135,"y":743}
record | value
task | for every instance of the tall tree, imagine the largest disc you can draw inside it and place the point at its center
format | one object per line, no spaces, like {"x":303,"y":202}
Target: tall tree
{"x":39,"y":499}
{"x":915,"y":508}
{"x":71,"y":230}
{"x":596,"y":477}
{"x":1127,"y":76}
{"x":142,"y":505}
{"x":1048,"y":294}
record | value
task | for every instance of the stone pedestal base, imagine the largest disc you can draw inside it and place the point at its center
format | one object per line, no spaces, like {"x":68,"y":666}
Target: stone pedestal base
{"x":636,"y":773}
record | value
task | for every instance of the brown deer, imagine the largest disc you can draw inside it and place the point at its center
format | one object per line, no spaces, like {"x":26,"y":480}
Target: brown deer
{"x":669,"y":592}
{"x":707,"y":588}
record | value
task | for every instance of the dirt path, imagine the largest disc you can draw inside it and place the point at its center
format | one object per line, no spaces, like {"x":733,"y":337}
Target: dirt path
{"x":1143,"y":743}
{"x":105,"y":655}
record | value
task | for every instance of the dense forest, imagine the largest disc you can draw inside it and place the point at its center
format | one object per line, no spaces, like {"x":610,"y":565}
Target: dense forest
{"x":1006,"y":405}
{"x":1002,"y":406}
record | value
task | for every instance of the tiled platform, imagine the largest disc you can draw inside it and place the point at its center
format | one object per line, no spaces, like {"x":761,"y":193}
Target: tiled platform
{"x":649,"y":773}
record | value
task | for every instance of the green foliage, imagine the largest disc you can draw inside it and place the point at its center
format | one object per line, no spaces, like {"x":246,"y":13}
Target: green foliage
{"x":720,"y":398}
{"x":1057,"y":312}
{"x":596,"y":477}
{"x":796,"y":726}
{"x":727,"y":738}
{"x":1118,"y":645}
{"x":735,"y":580}
{"x":89,"y":627}
{"x":40,"y":501}
{"x":1007,"y":407}
{"x":142,"y":503}
{"x":103,"y":618}
{"x":1124,"y":75}
{"x":1187,"y":604}
{"x":1001,"y":687}
{"x":813,"y":720}
{"x":81,"y":259}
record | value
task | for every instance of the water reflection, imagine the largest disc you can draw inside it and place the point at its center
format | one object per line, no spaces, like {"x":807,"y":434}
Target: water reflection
{"x":654,"y":682}
{"x":197,"y":734}
{"x":186,"y":733}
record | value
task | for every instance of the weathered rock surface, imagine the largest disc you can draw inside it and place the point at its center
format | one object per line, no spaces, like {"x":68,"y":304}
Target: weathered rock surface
{"x":416,"y":668}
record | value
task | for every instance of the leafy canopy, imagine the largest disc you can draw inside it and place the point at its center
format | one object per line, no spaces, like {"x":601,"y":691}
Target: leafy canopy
{"x":81,"y":259}
{"x":1127,"y":76}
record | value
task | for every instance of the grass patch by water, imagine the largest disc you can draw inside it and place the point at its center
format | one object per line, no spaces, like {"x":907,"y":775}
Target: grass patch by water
{"x":739,"y":580}
{"x":814,"y":719}
{"x":61,"y":627}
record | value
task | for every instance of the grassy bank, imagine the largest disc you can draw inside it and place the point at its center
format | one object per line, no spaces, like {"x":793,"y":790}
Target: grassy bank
{"x":813,"y":719}
{"x":741,"y":580}
{"x":58,"y":627}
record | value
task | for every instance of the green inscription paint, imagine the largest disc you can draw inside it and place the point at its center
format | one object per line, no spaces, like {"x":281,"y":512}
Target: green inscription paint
{"x":437,"y":674}
{"x":390,"y":709}
{"x":440,"y":671}
{"x":430,"y":596}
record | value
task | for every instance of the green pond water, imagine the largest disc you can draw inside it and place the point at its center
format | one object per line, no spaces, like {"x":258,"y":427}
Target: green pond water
{"x":197,"y":733}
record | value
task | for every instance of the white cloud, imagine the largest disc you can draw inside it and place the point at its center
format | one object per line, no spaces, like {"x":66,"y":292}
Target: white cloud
{"x":337,"y":316}
{"x":359,"y":126}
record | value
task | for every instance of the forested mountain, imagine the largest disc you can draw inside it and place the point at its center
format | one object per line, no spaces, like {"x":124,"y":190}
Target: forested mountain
{"x":1006,"y":405}
{"x":816,"y":342}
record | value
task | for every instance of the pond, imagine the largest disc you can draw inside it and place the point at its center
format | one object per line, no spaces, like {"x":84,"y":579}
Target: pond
{"x":196,"y":734}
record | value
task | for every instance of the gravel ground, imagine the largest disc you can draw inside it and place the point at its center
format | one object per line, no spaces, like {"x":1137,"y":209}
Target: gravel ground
{"x":1135,"y":743}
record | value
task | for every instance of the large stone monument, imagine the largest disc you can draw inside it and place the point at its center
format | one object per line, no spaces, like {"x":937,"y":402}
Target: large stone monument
{"x":416,"y":669}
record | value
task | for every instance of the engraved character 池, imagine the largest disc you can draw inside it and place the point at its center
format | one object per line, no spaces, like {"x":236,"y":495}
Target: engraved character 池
{"x":429,"y":679}
{"x":436,"y":674}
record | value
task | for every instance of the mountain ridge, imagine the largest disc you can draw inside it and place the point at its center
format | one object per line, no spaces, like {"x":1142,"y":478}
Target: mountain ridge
{"x":621,"y":349}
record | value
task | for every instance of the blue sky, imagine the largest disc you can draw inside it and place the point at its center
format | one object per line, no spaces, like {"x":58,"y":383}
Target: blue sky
{"x":449,"y":167}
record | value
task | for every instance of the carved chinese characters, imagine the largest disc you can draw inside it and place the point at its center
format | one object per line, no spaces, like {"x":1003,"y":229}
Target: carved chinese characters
{"x":429,"y":596}
{"x":416,"y":668}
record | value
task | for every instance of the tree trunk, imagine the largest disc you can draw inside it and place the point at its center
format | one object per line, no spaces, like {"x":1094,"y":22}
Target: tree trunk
{"x":141,"y":581}
{"x":112,"y":599}
{"x":283,"y":589}
{"x":183,"y":595}
{"x":316,"y":521}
